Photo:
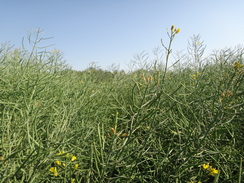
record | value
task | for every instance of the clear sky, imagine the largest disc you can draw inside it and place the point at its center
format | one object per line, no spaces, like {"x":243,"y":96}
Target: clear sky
{"x":113,"y":31}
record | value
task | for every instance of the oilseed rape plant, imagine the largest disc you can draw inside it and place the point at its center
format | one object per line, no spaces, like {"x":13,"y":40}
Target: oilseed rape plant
{"x":172,"y":118}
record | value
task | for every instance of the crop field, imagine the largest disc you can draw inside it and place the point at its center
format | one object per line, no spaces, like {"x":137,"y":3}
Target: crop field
{"x":156,"y":124}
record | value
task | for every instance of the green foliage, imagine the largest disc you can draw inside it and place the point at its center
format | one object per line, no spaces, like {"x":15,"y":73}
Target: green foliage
{"x":149,"y":125}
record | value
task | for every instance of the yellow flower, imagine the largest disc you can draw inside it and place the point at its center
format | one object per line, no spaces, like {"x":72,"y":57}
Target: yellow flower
{"x":58,"y":162}
{"x":150,"y":79}
{"x":177,"y":31}
{"x":237,"y":65}
{"x":62,"y":152}
{"x":76,"y":166}
{"x":213,"y":171}
{"x":194,"y":76}
{"x":72,"y":180}
{"x":54,"y":171}
{"x":205,"y":166}
{"x":73,"y":158}
{"x":172,"y":28}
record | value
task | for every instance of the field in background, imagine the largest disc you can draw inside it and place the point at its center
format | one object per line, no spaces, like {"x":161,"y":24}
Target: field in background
{"x":155,"y":124}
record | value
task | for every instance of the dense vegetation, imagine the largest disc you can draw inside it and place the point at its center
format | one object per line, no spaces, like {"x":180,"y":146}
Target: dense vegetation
{"x":155,"y":124}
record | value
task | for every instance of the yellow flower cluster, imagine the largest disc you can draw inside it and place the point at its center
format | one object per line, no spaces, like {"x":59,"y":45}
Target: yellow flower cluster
{"x":174,"y":30}
{"x":54,"y":171}
{"x":210,"y":169}
{"x":237,"y":65}
{"x":64,"y":157}
{"x":60,"y":163}
{"x":67,"y":155}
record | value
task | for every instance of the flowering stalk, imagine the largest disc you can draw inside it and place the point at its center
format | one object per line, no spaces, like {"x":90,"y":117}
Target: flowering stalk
{"x":171,"y":35}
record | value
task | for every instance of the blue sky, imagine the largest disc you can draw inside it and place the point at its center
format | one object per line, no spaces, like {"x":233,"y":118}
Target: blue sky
{"x":113,"y":31}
